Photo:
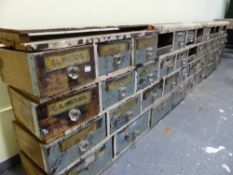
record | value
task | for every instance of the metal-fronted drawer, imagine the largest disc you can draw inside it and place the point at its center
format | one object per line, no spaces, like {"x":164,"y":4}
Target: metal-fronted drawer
{"x":181,"y":59}
{"x":147,"y":75}
{"x":124,"y":113}
{"x":178,"y":94}
{"x":184,"y":74}
{"x":56,"y":156}
{"x":160,"y":109}
{"x":201,"y":50}
{"x":146,"y":49}
{"x":171,"y":82}
{"x":117,"y":88}
{"x":167,"y":65}
{"x":179,"y":40}
{"x":95,"y":162}
{"x":129,"y":134}
{"x":152,"y":94}
{"x":113,"y":56}
{"x":190,"y":36}
{"x":48,"y":73}
{"x":50,"y":120}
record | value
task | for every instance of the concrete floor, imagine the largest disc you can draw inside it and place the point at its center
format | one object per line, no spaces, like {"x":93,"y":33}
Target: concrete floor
{"x":194,"y":139}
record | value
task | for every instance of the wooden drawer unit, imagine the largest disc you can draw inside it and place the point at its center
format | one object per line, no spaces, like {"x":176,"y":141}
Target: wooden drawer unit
{"x":117,"y":88}
{"x":159,"y":110}
{"x":146,"y":49}
{"x":171,"y":82}
{"x":152,"y":94}
{"x":50,"y":120}
{"x":129,"y":134}
{"x":167,"y":65}
{"x":124,"y":113}
{"x":48,"y":73}
{"x":95,"y":162}
{"x":147,"y":75}
{"x":56,"y":156}
{"x":190,"y":37}
{"x":113,"y":56}
{"x":179,"y":40}
{"x":181,"y":59}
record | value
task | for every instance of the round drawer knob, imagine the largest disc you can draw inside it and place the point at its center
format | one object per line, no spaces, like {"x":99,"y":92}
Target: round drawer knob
{"x":122,"y":91}
{"x":73,"y":72}
{"x":75,"y":114}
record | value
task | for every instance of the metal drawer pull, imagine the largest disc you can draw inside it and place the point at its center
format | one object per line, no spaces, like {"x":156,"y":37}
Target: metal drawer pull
{"x":150,"y":77}
{"x":117,"y":59}
{"x":137,"y":133}
{"x":73,"y":72}
{"x":83,"y":145}
{"x":129,"y":115}
{"x":149,"y":51}
{"x":74,"y":114}
{"x":122,"y":91}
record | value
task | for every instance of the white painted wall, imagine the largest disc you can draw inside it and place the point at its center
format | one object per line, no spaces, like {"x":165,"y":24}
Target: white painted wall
{"x":76,"y":13}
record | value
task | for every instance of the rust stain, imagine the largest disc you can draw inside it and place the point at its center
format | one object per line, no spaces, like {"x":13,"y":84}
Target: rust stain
{"x":167,"y":130}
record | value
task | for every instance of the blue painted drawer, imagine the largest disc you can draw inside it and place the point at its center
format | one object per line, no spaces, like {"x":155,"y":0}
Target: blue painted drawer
{"x":147,"y":75}
{"x":124,"y":113}
{"x":179,"y":40}
{"x":95,"y":162}
{"x":181,"y":59}
{"x":190,"y":37}
{"x":56,"y":156}
{"x":178,"y":94}
{"x":171,"y":82}
{"x":160,"y":110}
{"x":152,"y":94}
{"x":129,"y":134}
{"x":146,"y":49}
{"x":117,"y":88}
{"x":167,"y":65}
{"x":113,"y":56}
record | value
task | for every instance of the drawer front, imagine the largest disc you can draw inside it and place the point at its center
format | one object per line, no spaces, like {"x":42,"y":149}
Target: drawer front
{"x":124,"y":113}
{"x":167,"y":65}
{"x":147,"y":75}
{"x":181,"y":60}
{"x":201,"y":50}
{"x":117,"y":88}
{"x":190,"y":36}
{"x":145,"y":49}
{"x":152,"y":94}
{"x":113,"y":56}
{"x":179,"y":40}
{"x":184,"y":74}
{"x":160,"y":110}
{"x":171,"y":82}
{"x":129,"y":134}
{"x":195,"y":67}
{"x":62,"y":154}
{"x":95,"y":162}
{"x":164,"y":50}
{"x":210,"y":57}
{"x":207,"y":33}
{"x":178,"y":94}
{"x":57,"y":116}
{"x":60,"y":71}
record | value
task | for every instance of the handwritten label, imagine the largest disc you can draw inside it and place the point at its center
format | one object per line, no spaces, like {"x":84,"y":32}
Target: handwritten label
{"x":69,"y":103}
{"x":59,"y":61}
{"x":114,"y":84}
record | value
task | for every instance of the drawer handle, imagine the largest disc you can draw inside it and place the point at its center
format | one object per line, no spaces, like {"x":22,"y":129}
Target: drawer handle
{"x":74,"y":114}
{"x":73,"y":72}
{"x":122,"y":91}
{"x":83,"y":145}
{"x":149,"y":51}
{"x":137,"y":133}
{"x":117,"y":59}
{"x":45,"y":132}
{"x":129,"y":115}
{"x":150,"y":78}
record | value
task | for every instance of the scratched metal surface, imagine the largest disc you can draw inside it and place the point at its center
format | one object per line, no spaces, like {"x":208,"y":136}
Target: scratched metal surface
{"x":182,"y":142}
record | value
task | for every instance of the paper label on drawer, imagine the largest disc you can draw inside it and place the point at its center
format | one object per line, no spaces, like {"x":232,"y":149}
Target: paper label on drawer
{"x":146,"y":42}
{"x":113,"y":49}
{"x":116,"y":83}
{"x":90,"y":160}
{"x":69,"y":103}
{"x":76,"y":138}
{"x":87,"y":69}
{"x":58,"y":61}
{"x":125,"y":107}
